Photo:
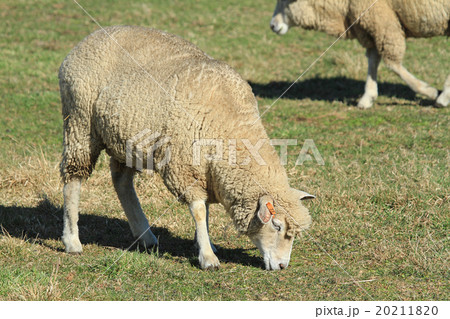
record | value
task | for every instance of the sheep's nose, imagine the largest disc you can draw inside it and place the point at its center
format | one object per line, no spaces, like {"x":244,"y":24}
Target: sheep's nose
{"x":282,"y":266}
{"x":272,"y":26}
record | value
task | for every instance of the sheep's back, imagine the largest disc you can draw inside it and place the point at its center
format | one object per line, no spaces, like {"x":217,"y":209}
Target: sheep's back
{"x":421,"y":18}
{"x":112,"y":51}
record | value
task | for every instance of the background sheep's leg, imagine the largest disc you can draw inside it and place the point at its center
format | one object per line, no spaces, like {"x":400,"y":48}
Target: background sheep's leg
{"x":444,"y":99}
{"x":392,"y":51}
{"x":415,"y":84}
{"x":122,"y":177}
{"x":389,"y":38}
{"x":70,"y":237}
{"x":207,"y":227}
{"x":207,"y":258}
{"x":371,"y":91}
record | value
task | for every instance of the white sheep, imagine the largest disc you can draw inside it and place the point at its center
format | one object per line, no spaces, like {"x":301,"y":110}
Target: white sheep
{"x":136,"y":86}
{"x":382,"y":30}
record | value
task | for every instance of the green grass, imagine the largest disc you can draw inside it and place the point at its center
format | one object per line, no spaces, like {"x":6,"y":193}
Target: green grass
{"x":382,"y":207}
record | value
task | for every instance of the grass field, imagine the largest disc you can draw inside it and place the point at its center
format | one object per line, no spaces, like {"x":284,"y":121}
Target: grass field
{"x":381,"y":217}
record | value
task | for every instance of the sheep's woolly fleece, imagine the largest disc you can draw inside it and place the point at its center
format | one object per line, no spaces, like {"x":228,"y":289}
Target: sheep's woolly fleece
{"x":112,"y":91}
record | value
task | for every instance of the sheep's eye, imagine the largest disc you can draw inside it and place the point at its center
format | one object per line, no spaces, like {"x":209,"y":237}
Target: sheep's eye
{"x":276,"y":224}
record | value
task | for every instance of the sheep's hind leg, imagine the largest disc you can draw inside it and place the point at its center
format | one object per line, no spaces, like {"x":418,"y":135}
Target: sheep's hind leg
{"x":444,"y":99}
{"x":416,"y":85}
{"x":122,"y":177}
{"x":371,"y":90}
{"x":207,"y":258}
{"x":70,"y":237}
{"x":390,"y":43}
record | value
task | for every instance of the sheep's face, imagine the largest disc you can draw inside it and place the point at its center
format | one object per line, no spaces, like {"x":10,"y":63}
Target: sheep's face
{"x":274,"y":243}
{"x":280,"y":23}
{"x":275,"y":235}
{"x":289,"y":13}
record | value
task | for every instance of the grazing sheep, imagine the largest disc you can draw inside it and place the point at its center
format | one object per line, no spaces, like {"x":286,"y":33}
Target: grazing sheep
{"x":381,"y":30}
{"x":123,"y":82}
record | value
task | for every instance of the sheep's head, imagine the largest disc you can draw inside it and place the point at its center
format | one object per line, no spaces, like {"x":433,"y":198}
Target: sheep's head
{"x":289,"y":13}
{"x":274,"y":226}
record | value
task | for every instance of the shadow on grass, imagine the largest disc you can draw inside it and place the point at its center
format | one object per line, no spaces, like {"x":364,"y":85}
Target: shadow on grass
{"x":45,"y":221}
{"x":330,"y":89}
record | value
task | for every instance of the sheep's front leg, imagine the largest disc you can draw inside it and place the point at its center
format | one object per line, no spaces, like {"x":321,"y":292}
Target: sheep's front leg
{"x":371,"y":90}
{"x":207,"y":258}
{"x":207,"y":227}
{"x":70,"y":237}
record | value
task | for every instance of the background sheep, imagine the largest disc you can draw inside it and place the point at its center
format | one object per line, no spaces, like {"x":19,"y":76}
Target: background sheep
{"x":381,"y":30}
{"x":122,"y":81}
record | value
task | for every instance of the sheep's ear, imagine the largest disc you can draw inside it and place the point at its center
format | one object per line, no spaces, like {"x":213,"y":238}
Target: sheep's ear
{"x":264,"y":213}
{"x":303,"y":195}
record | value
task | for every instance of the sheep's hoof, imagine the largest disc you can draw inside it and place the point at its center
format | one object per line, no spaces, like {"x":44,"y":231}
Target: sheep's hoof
{"x":209,"y":262}
{"x":431,"y":92}
{"x":143,"y":247}
{"x":443,"y":100}
{"x":73,"y":245}
{"x":365,"y":103}
{"x":440,"y":105}
{"x":148,"y":240}
{"x":212,"y":268}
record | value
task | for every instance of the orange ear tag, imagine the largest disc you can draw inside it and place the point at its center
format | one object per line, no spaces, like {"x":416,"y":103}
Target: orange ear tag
{"x":270,"y":208}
